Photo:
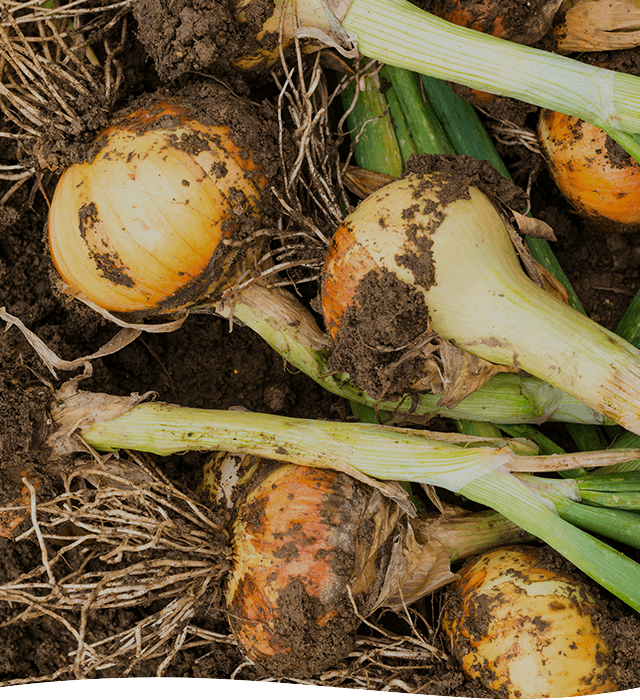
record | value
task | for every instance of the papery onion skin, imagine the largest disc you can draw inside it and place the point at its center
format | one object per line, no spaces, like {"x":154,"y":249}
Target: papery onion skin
{"x":526,"y":630}
{"x":145,"y":226}
{"x":300,"y":537}
{"x":599,"y":180}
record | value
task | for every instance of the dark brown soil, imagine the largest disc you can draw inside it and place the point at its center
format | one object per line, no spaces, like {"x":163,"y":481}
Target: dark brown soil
{"x":205,"y":364}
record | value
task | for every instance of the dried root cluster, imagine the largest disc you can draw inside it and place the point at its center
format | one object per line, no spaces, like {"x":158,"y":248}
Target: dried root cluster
{"x":119,"y":536}
{"x":59,"y":74}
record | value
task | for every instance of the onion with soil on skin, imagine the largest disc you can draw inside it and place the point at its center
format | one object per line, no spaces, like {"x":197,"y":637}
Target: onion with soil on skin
{"x":596,"y":176}
{"x":163,"y":213}
{"x":526,"y":629}
{"x":443,"y":246}
{"x":310,"y":545}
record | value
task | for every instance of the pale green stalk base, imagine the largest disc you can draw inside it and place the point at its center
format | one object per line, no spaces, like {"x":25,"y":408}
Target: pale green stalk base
{"x":469,"y":533}
{"x":288,"y":327}
{"x":400,"y":34}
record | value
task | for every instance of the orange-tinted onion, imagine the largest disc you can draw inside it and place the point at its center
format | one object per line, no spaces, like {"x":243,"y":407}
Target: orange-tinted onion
{"x":301,"y":537}
{"x":600,"y":181}
{"x":143,"y":226}
{"x":526,"y":630}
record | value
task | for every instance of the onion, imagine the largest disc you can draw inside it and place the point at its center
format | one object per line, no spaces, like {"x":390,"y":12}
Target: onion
{"x":295,"y":541}
{"x":526,"y":630}
{"x":162,"y":214}
{"x":595,"y":175}
{"x":441,"y":250}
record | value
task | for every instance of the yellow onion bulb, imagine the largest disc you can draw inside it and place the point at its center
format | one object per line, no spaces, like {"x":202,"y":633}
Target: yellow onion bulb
{"x":525,"y":629}
{"x":145,"y":225}
{"x":302,"y":538}
{"x":599,"y":180}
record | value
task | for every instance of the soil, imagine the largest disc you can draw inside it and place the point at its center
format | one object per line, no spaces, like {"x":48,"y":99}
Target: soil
{"x":206,"y":363}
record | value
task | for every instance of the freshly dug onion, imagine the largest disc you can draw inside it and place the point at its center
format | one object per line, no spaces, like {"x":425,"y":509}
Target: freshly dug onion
{"x":162,"y":215}
{"x":300,"y":537}
{"x":526,"y":630}
{"x":310,"y":543}
{"x":434,"y":245}
{"x":598,"y":178}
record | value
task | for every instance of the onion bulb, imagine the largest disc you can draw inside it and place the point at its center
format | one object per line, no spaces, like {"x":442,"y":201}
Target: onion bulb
{"x":599,"y":179}
{"x":526,"y":630}
{"x":300,"y":537}
{"x":162,"y":214}
{"x":428,"y":245}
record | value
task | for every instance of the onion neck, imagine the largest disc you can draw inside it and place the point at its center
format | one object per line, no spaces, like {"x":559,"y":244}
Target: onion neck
{"x":484,"y":302}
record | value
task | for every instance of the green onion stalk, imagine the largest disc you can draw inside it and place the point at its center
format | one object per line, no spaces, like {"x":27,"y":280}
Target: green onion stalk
{"x":482,"y":469}
{"x":605,"y":504}
{"x":397,"y":33}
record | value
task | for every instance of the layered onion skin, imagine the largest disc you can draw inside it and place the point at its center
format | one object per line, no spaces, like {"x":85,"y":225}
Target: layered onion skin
{"x":526,"y":630}
{"x":144,"y":226}
{"x":599,"y":180}
{"x":304,"y":541}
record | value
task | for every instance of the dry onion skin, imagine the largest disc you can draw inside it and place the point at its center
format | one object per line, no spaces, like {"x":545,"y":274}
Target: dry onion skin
{"x":594,"y":174}
{"x":525,"y":630}
{"x":161,"y":216}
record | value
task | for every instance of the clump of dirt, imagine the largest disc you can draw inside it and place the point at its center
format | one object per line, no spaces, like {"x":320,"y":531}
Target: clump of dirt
{"x":188,"y":36}
{"x":386,"y":318}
